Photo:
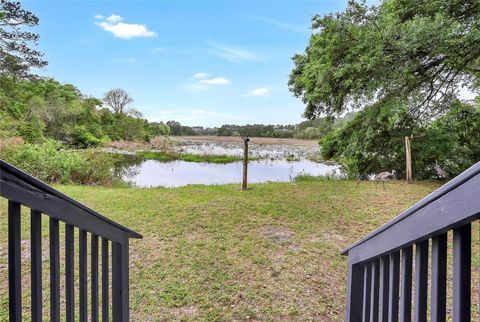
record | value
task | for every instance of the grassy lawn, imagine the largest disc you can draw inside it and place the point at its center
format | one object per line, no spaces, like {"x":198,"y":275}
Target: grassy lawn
{"x":216,"y":253}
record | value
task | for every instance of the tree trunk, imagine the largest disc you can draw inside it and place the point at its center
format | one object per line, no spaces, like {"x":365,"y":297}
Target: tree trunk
{"x":408,"y":158}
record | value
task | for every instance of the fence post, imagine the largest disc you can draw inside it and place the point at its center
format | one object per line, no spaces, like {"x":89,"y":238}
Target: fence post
{"x":408,"y":157}
{"x":120,"y":294}
{"x":245,"y":162}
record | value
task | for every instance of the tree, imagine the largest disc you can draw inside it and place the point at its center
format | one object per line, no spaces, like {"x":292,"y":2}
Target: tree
{"x":10,"y":65}
{"x":118,"y":100}
{"x":15,"y":41}
{"x":373,"y":141}
{"x":420,"y":51}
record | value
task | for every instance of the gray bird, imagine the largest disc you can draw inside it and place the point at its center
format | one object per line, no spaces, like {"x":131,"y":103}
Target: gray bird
{"x":441,"y":173}
{"x":384,"y":176}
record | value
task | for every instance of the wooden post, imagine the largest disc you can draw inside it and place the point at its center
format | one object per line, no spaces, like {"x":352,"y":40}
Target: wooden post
{"x":245,"y":162}
{"x":408,"y":157}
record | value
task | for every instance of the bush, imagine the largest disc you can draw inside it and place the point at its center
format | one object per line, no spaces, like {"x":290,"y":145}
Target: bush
{"x":52,"y":163}
{"x":82,"y":138}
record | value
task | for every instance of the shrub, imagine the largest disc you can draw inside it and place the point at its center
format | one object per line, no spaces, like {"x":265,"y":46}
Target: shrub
{"x":50,"y":161}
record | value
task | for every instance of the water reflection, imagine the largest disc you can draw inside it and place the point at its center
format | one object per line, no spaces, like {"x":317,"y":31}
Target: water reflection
{"x":152,"y":173}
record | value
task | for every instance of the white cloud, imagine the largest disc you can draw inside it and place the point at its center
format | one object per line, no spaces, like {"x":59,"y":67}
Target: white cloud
{"x":113,"y":18}
{"x":258,"y":92}
{"x":127,"y":60}
{"x":201,"y":75}
{"x":98,"y":16}
{"x":214,"y":81}
{"x":205,"y":81}
{"x":236,"y":55}
{"x":123,"y":30}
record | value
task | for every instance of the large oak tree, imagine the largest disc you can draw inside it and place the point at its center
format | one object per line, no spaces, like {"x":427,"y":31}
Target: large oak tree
{"x":423,"y":52}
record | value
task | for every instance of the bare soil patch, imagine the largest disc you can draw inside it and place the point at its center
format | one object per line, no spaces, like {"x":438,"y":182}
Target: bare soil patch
{"x":278,"y":234}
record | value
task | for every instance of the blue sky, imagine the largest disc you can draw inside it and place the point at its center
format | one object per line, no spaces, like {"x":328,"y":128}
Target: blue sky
{"x":198,"y":62}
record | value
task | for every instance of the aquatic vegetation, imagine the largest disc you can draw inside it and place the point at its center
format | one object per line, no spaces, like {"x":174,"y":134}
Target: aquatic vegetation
{"x":172,"y":156}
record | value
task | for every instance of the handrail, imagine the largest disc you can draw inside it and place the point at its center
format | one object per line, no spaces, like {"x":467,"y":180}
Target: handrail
{"x":48,"y":190}
{"x":440,"y":192}
{"x":382,"y":261}
{"x":22,"y":189}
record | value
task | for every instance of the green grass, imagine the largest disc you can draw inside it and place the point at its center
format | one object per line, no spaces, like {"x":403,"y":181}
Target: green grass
{"x":170,"y":156}
{"x":210,"y":252}
{"x":310,"y":178}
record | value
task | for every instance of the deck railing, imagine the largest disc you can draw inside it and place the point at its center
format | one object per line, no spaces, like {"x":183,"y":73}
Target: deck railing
{"x":22,"y":189}
{"x":384,"y":264}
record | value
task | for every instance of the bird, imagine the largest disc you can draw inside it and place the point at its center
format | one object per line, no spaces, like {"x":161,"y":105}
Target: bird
{"x":441,"y":173}
{"x":384,"y":176}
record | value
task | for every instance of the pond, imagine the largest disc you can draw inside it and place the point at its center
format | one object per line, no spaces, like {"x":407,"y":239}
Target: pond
{"x":275,"y":161}
{"x":152,"y":173}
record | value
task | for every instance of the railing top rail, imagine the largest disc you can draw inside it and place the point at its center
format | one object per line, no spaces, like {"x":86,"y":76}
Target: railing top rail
{"x":455,"y":183}
{"x":43,"y":187}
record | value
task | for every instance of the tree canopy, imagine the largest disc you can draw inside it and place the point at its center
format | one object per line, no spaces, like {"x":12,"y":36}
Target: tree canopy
{"x":15,"y":41}
{"x":373,"y":141}
{"x":422,"y":52}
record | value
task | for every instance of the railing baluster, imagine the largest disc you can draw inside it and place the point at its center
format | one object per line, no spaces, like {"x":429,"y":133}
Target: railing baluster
{"x":83,"y":275}
{"x":94,"y":278}
{"x":14,"y":263}
{"x":105,"y":281}
{"x":355,"y":291}
{"x":54,"y":270}
{"x":70,"y":272}
{"x":394,"y":285}
{"x":36,"y":264}
{"x":367,"y":287}
{"x":421,"y":281}
{"x":22,"y":190}
{"x":120,"y":294}
{"x":438,"y":298}
{"x":406,"y":290}
{"x":374,"y":291}
{"x":462,"y":250}
{"x":384,"y":287}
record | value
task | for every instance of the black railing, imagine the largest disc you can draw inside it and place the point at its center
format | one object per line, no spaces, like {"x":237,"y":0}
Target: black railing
{"x":381,"y":270}
{"x":22,"y":189}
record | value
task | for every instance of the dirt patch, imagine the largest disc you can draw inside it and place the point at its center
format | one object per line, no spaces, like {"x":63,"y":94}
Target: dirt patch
{"x":278,"y":234}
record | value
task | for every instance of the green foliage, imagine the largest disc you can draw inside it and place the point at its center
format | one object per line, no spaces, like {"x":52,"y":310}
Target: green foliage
{"x":52,"y":162}
{"x":373,"y":141}
{"x":419,"y":51}
{"x":40,"y":109}
{"x":326,"y":177}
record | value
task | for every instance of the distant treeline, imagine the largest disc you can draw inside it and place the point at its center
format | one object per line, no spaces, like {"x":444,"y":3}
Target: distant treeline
{"x":310,"y":129}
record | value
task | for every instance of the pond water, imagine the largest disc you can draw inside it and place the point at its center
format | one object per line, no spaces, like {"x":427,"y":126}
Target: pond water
{"x":152,"y":173}
{"x":276,"y":160}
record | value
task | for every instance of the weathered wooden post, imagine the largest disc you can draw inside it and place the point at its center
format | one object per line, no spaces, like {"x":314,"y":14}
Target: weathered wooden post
{"x":408,"y":159}
{"x":245,"y":162}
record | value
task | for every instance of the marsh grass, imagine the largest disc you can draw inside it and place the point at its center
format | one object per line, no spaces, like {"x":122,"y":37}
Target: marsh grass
{"x":165,"y":156}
